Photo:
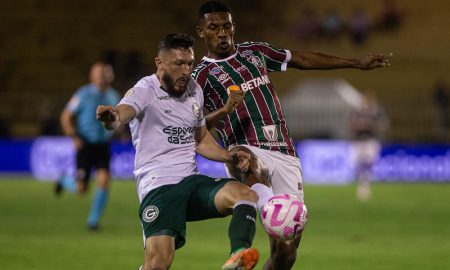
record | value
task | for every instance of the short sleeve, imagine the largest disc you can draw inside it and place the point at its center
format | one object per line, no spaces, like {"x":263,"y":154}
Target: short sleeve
{"x":138,"y":98}
{"x":73,"y":105}
{"x":276,"y":59}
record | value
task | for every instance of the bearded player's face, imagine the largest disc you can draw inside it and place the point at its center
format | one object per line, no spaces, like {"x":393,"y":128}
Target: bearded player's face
{"x":176,"y":66}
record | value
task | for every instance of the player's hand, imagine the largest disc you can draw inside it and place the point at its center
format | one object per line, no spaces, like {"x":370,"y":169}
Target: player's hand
{"x":106,"y":114}
{"x":240,"y":159}
{"x":235,"y":97}
{"x":372,"y":61}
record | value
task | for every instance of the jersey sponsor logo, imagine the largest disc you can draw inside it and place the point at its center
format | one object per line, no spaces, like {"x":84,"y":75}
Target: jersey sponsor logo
{"x":255,"y":61}
{"x":179,"y":135}
{"x":164,"y":97}
{"x":196,"y":110}
{"x":250,"y":218}
{"x":150,"y":213}
{"x":224,"y":77}
{"x":270,"y":132}
{"x":246,"y":53}
{"x":272,"y":144}
{"x":216,"y":70}
{"x":130,"y":92}
{"x":249,"y":85}
{"x":241,"y":69}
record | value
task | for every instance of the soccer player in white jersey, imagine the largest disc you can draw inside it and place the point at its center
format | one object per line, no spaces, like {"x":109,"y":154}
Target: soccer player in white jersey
{"x":165,"y":115}
{"x":251,"y":117}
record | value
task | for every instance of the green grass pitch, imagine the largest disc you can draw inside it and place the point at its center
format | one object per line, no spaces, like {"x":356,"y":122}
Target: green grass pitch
{"x":404,"y":226}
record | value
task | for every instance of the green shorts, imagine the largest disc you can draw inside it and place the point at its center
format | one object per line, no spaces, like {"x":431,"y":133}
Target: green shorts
{"x":165,"y":210}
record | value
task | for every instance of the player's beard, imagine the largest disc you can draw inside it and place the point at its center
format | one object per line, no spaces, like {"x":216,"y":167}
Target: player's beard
{"x":170,"y":84}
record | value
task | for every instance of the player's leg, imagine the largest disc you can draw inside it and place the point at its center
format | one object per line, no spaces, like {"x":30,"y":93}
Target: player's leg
{"x":78,"y":182}
{"x":84,"y":164}
{"x":159,"y":252}
{"x":283,"y":254}
{"x":162,"y":214}
{"x":99,"y":202}
{"x":257,"y":177}
{"x":286,"y":178}
{"x":221,"y":197}
{"x":240,"y":201}
{"x":65,"y":182}
{"x":368,"y":153}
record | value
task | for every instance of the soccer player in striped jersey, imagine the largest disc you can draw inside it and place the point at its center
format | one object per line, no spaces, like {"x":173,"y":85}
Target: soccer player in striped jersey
{"x":251,"y":116}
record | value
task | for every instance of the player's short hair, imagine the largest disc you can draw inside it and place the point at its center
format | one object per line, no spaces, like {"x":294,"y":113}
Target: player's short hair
{"x":212,"y":6}
{"x":175,"y":41}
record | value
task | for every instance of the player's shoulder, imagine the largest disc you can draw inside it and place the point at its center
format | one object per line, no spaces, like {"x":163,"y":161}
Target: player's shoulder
{"x":144,"y":88}
{"x":248,"y":45}
{"x":201,"y":68}
{"x":146,"y":82}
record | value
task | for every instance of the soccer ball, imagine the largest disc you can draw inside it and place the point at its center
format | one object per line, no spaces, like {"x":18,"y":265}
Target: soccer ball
{"x":284,"y":216}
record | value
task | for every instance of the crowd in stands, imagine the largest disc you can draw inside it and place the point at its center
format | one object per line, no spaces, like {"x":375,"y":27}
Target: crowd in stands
{"x":332,"y":26}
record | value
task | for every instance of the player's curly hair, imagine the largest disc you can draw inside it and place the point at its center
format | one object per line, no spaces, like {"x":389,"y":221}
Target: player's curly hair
{"x":175,"y":41}
{"x":212,"y":6}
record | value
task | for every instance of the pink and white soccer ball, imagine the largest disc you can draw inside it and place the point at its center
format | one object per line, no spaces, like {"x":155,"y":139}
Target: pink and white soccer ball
{"x":284,"y":216}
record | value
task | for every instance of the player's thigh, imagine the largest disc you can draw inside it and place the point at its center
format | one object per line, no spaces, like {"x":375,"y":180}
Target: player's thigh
{"x":287,"y":175}
{"x":232,"y":193}
{"x":201,"y":204}
{"x":83,"y":162}
{"x":102,"y":155}
{"x":163,"y":212}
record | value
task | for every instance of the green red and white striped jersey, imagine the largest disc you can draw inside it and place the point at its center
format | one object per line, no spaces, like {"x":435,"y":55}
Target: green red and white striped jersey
{"x":258,"y":120}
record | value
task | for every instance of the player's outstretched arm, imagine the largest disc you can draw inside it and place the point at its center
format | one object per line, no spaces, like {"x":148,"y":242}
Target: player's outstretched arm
{"x":314,"y":60}
{"x":115,"y":117}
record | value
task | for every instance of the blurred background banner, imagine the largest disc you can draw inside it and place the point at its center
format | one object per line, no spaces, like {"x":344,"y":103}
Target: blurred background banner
{"x":323,"y":161}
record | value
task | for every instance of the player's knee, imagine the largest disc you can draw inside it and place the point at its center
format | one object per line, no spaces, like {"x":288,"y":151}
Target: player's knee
{"x":245,"y":193}
{"x":102,"y":178}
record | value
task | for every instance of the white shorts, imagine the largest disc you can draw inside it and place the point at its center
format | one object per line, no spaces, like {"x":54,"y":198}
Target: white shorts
{"x":285,"y":172}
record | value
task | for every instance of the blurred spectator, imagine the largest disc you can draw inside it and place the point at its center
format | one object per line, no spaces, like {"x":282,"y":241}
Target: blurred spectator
{"x":359,"y":27}
{"x":331,"y":25}
{"x":308,"y":26}
{"x":369,"y":122}
{"x":391,"y":15}
{"x":441,"y":100}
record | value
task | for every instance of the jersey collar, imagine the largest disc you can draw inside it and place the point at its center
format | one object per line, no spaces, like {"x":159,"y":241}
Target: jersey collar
{"x":205,"y":58}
